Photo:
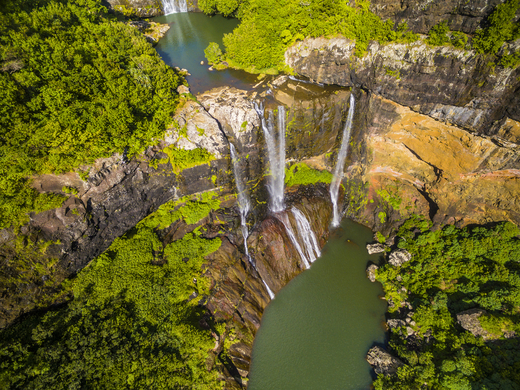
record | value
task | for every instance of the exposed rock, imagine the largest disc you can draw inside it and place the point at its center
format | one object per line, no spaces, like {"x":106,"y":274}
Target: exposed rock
{"x":375,"y":248}
{"x":139,"y":8}
{"x":399,"y":257}
{"x":421,"y":16}
{"x":382,"y":362}
{"x":468,"y":319}
{"x":182,"y":89}
{"x":449,"y":84}
{"x":152,"y":31}
{"x":395,"y":323}
{"x":371,"y":272}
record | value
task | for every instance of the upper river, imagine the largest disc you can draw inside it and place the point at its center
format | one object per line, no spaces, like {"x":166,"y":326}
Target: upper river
{"x":315,"y":334}
{"x":184,"y":44}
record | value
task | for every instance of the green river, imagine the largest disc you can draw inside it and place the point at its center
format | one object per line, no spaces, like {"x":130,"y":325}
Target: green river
{"x":315,"y":334}
{"x":184,"y":44}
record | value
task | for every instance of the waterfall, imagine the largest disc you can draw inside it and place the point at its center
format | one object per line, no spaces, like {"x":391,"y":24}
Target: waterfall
{"x":338,"y":170}
{"x":307,"y":235}
{"x":244,"y":206}
{"x":275,"y":155}
{"x":284,"y":219}
{"x":174,"y":6}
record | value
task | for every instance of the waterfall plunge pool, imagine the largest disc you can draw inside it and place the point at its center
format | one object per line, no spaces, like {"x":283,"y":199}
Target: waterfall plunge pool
{"x":316,"y":333}
{"x":184,"y":44}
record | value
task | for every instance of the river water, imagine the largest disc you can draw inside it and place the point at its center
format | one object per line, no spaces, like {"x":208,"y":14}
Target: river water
{"x":315,"y":334}
{"x":184,"y":44}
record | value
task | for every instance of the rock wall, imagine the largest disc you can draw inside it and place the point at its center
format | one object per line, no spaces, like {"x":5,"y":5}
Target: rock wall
{"x":140,"y":8}
{"x":461,"y":15}
{"x":448,"y":84}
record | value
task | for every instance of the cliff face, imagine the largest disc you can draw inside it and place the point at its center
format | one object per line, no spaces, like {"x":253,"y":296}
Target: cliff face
{"x":451,"y":85}
{"x":461,"y":15}
{"x":140,"y":8}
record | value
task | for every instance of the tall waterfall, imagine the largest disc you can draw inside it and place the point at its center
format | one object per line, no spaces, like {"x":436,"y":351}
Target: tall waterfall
{"x":276,"y":156}
{"x":174,"y":6}
{"x":244,"y":206}
{"x":283,"y":218}
{"x":307,"y":235}
{"x":338,"y":170}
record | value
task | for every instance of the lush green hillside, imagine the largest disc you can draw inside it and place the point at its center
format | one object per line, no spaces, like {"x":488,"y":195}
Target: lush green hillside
{"x":133,"y":322}
{"x":268,"y":27}
{"x":453,"y":270}
{"x":75,"y":85}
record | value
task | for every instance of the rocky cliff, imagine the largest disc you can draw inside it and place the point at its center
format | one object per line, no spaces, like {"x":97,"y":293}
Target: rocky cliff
{"x":461,"y":15}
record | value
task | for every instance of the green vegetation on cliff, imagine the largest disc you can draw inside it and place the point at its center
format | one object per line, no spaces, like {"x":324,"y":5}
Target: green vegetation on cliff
{"x":134,"y":321}
{"x":302,"y":174}
{"x":453,"y":270}
{"x":75,"y":85}
{"x":269,"y":27}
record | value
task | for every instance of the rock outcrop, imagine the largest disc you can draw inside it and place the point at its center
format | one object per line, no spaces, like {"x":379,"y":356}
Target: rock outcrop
{"x":452,"y":85}
{"x":399,"y":257}
{"x":461,"y":15}
{"x":139,"y":8}
{"x":383,"y":362}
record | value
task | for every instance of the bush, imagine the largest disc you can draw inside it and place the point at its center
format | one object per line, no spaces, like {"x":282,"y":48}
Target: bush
{"x":213,"y":53}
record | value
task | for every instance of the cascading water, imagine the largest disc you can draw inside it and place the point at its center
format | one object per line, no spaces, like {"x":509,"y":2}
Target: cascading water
{"x":284,"y":219}
{"x":244,"y":206}
{"x":338,"y":170}
{"x":276,"y":156}
{"x":174,"y":6}
{"x":307,"y":235}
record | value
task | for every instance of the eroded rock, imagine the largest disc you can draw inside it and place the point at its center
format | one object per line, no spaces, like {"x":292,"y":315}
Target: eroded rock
{"x":399,"y":257}
{"x":375,"y":248}
{"x":383,"y":362}
{"x":371,"y":272}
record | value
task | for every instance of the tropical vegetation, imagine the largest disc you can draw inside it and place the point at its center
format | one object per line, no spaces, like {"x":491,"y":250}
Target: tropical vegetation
{"x":453,"y":270}
{"x":75,"y":85}
{"x":134,"y":321}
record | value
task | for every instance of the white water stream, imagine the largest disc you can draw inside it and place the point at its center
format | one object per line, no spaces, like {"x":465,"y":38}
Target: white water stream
{"x":244,"y":206}
{"x":174,"y":6}
{"x":276,"y":156}
{"x":284,"y":219}
{"x":307,"y":235}
{"x":338,"y":170}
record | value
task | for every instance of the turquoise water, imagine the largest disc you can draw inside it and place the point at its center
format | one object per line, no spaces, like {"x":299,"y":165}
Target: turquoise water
{"x":184,"y":44}
{"x":315,"y":334}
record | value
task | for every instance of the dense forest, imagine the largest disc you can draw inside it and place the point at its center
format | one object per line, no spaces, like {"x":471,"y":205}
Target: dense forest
{"x":133,"y":322}
{"x":269,"y":27}
{"x":75,"y":85}
{"x":453,"y":270}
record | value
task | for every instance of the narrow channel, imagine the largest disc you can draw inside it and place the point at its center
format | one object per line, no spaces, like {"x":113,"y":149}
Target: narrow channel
{"x":316,"y":333}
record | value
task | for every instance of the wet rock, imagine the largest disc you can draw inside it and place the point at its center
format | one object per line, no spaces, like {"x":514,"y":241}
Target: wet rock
{"x":399,"y":257}
{"x":371,"y":272}
{"x":375,"y":248}
{"x":382,"y":361}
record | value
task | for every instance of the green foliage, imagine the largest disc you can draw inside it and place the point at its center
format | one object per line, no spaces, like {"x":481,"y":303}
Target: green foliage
{"x":302,"y":174}
{"x":440,"y":35}
{"x":382,"y":216}
{"x":213,"y":53}
{"x":69,"y":190}
{"x":500,"y":28}
{"x":380,"y":237}
{"x":132,"y":323}
{"x":392,"y":199}
{"x":269,"y":27}
{"x":224,"y":7}
{"x":453,"y":270}
{"x":182,"y":159}
{"x":74,"y":86}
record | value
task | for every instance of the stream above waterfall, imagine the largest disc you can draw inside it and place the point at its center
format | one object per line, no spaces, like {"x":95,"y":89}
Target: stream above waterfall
{"x":317,"y":331}
{"x":184,"y":44}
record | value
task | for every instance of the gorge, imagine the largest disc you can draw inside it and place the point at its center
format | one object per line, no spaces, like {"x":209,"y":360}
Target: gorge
{"x":164,"y":259}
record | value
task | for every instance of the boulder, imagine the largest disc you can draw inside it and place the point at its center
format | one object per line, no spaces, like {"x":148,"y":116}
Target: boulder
{"x":382,"y":362}
{"x":371,"y":272}
{"x":468,"y":319}
{"x":375,"y":248}
{"x":399,"y":257}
